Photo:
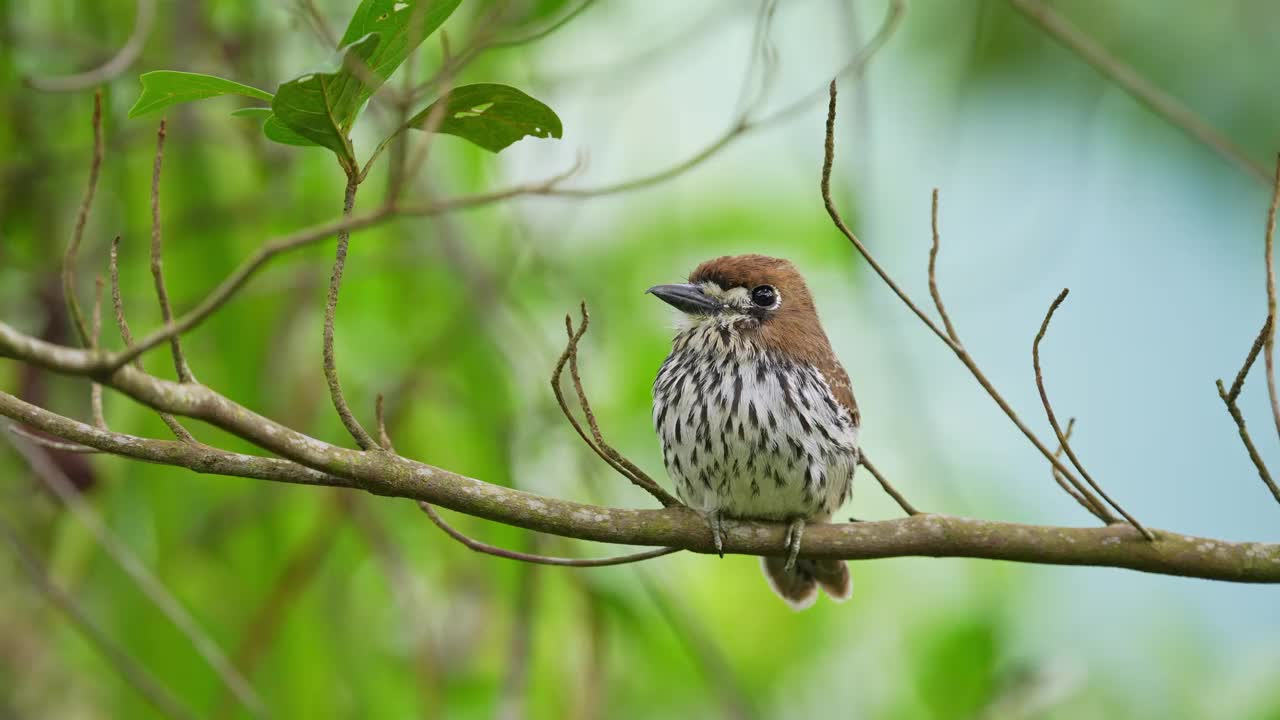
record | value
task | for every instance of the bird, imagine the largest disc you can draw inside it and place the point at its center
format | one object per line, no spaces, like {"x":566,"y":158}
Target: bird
{"x":755,"y":414}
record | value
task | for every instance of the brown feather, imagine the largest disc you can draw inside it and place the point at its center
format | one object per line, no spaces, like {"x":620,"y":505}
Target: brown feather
{"x":794,"y":329}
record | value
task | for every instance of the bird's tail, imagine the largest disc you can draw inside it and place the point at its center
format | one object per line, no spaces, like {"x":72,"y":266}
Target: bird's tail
{"x":799,"y":585}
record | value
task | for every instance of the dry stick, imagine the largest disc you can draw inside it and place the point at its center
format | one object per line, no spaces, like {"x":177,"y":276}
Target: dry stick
{"x":95,"y":389}
{"x":956,"y":347}
{"x":1268,"y":351}
{"x":129,"y":669}
{"x":1229,"y":398}
{"x":157,"y":266}
{"x":1057,"y":429}
{"x":495,"y":551}
{"x":82,"y":217}
{"x":606,"y":453}
{"x":118,"y":303}
{"x":147,"y":582}
{"x":933,"y":276}
{"x":1132,"y":82}
{"x":144,"y":16}
{"x":330,"y":309}
{"x":907,"y":507}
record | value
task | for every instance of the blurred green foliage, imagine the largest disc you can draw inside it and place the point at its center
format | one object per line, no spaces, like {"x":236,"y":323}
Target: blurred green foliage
{"x":341,"y":605}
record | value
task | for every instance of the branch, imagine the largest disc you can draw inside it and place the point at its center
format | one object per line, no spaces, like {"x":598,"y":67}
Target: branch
{"x":1063,"y":441}
{"x":612,"y":457}
{"x":353,"y":426}
{"x":157,"y":266}
{"x":1133,"y":83}
{"x":313,"y":462}
{"x":1229,"y":398}
{"x":77,"y":234}
{"x":907,"y":507}
{"x":487,"y":549}
{"x":126,"y":336}
{"x":1269,"y":348}
{"x":949,"y":336}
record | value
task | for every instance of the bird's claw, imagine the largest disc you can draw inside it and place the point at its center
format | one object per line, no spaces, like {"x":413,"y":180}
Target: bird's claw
{"x":795,"y":531}
{"x":715,"y":522}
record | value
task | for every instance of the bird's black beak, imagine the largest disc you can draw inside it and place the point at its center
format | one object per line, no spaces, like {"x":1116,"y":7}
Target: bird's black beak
{"x":687,"y":298}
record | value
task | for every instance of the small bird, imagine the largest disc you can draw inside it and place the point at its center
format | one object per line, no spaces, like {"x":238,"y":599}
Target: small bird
{"x":755,"y":414}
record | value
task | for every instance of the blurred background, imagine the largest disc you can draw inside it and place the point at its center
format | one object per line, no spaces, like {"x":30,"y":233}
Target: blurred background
{"x":338,"y":604}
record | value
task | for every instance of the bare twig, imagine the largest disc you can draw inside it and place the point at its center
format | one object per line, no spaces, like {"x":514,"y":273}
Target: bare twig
{"x":155,"y":591}
{"x":1269,"y":347}
{"x":543,"y":32}
{"x":157,"y":266}
{"x":1133,"y":83}
{"x":129,"y":669}
{"x":95,"y":389}
{"x":125,"y":57}
{"x":49,"y":443}
{"x":615,"y":459}
{"x":330,"y":309}
{"x":1229,"y":398}
{"x":1062,"y":438}
{"x":122,"y":324}
{"x":1099,"y":512}
{"x":495,"y":551}
{"x":77,"y":234}
{"x":384,"y":439}
{"x":933,"y":276}
{"x":888,"y":487}
{"x":944,"y":335}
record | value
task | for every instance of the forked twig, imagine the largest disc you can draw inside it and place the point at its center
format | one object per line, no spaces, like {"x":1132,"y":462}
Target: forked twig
{"x":126,"y":336}
{"x":1062,"y":438}
{"x":611,"y":456}
{"x":495,"y":551}
{"x":1102,"y":513}
{"x":1229,"y":398}
{"x":907,"y":507}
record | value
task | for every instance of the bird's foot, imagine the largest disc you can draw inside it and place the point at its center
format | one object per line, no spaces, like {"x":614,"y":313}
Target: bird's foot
{"x":795,"y":531}
{"x":715,"y":521}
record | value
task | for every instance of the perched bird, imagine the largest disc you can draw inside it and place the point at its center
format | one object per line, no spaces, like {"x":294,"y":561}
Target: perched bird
{"x":755,"y":414}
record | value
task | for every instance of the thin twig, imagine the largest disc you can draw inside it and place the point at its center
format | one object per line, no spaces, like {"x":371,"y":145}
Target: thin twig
{"x":144,"y":16}
{"x":95,"y":389}
{"x":330,"y":310}
{"x":77,"y":234}
{"x":495,"y":551}
{"x":379,"y":413}
{"x":615,"y":459}
{"x":907,"y":507}
{"x":129,"y":669}
{"x":542,"y":32}
{"x":933,"y":276}
{"x":122,"y":324}
{"x":1269,"y":348}
{"x":1057,"y":429}
{"x":1229,"y":398}
{"x":1133,"y":83}
{"x":157,"y":266}
{"x":151,"y":586}
{"x":956,"y":347}
{"x":1105,"y":516}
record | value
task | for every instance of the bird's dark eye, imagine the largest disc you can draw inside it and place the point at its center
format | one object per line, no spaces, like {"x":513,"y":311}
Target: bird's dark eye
{"x":764,"y":295}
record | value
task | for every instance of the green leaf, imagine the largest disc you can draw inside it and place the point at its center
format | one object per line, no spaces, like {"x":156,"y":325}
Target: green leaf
{"x":393,"y":21}
{"x":163,"y":88}
{"x":308,"y":105}
{"x":254,"y":113}
{"x":492,"y":116}
{"x":278,"y":132}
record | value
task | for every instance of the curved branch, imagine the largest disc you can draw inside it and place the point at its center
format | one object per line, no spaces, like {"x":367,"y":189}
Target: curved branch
{"x":391,"y":475}
{"x":144,"y":17}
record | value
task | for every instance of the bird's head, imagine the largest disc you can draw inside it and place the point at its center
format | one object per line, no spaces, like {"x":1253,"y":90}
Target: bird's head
{"x":761,"y":297}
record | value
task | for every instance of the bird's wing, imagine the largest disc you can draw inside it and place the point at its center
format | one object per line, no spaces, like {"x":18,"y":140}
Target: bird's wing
{"x":838,"y":380}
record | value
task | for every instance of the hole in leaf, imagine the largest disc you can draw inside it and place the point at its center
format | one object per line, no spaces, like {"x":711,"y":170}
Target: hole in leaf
{"x":399,"y":6}
{"x":476,"y":111}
